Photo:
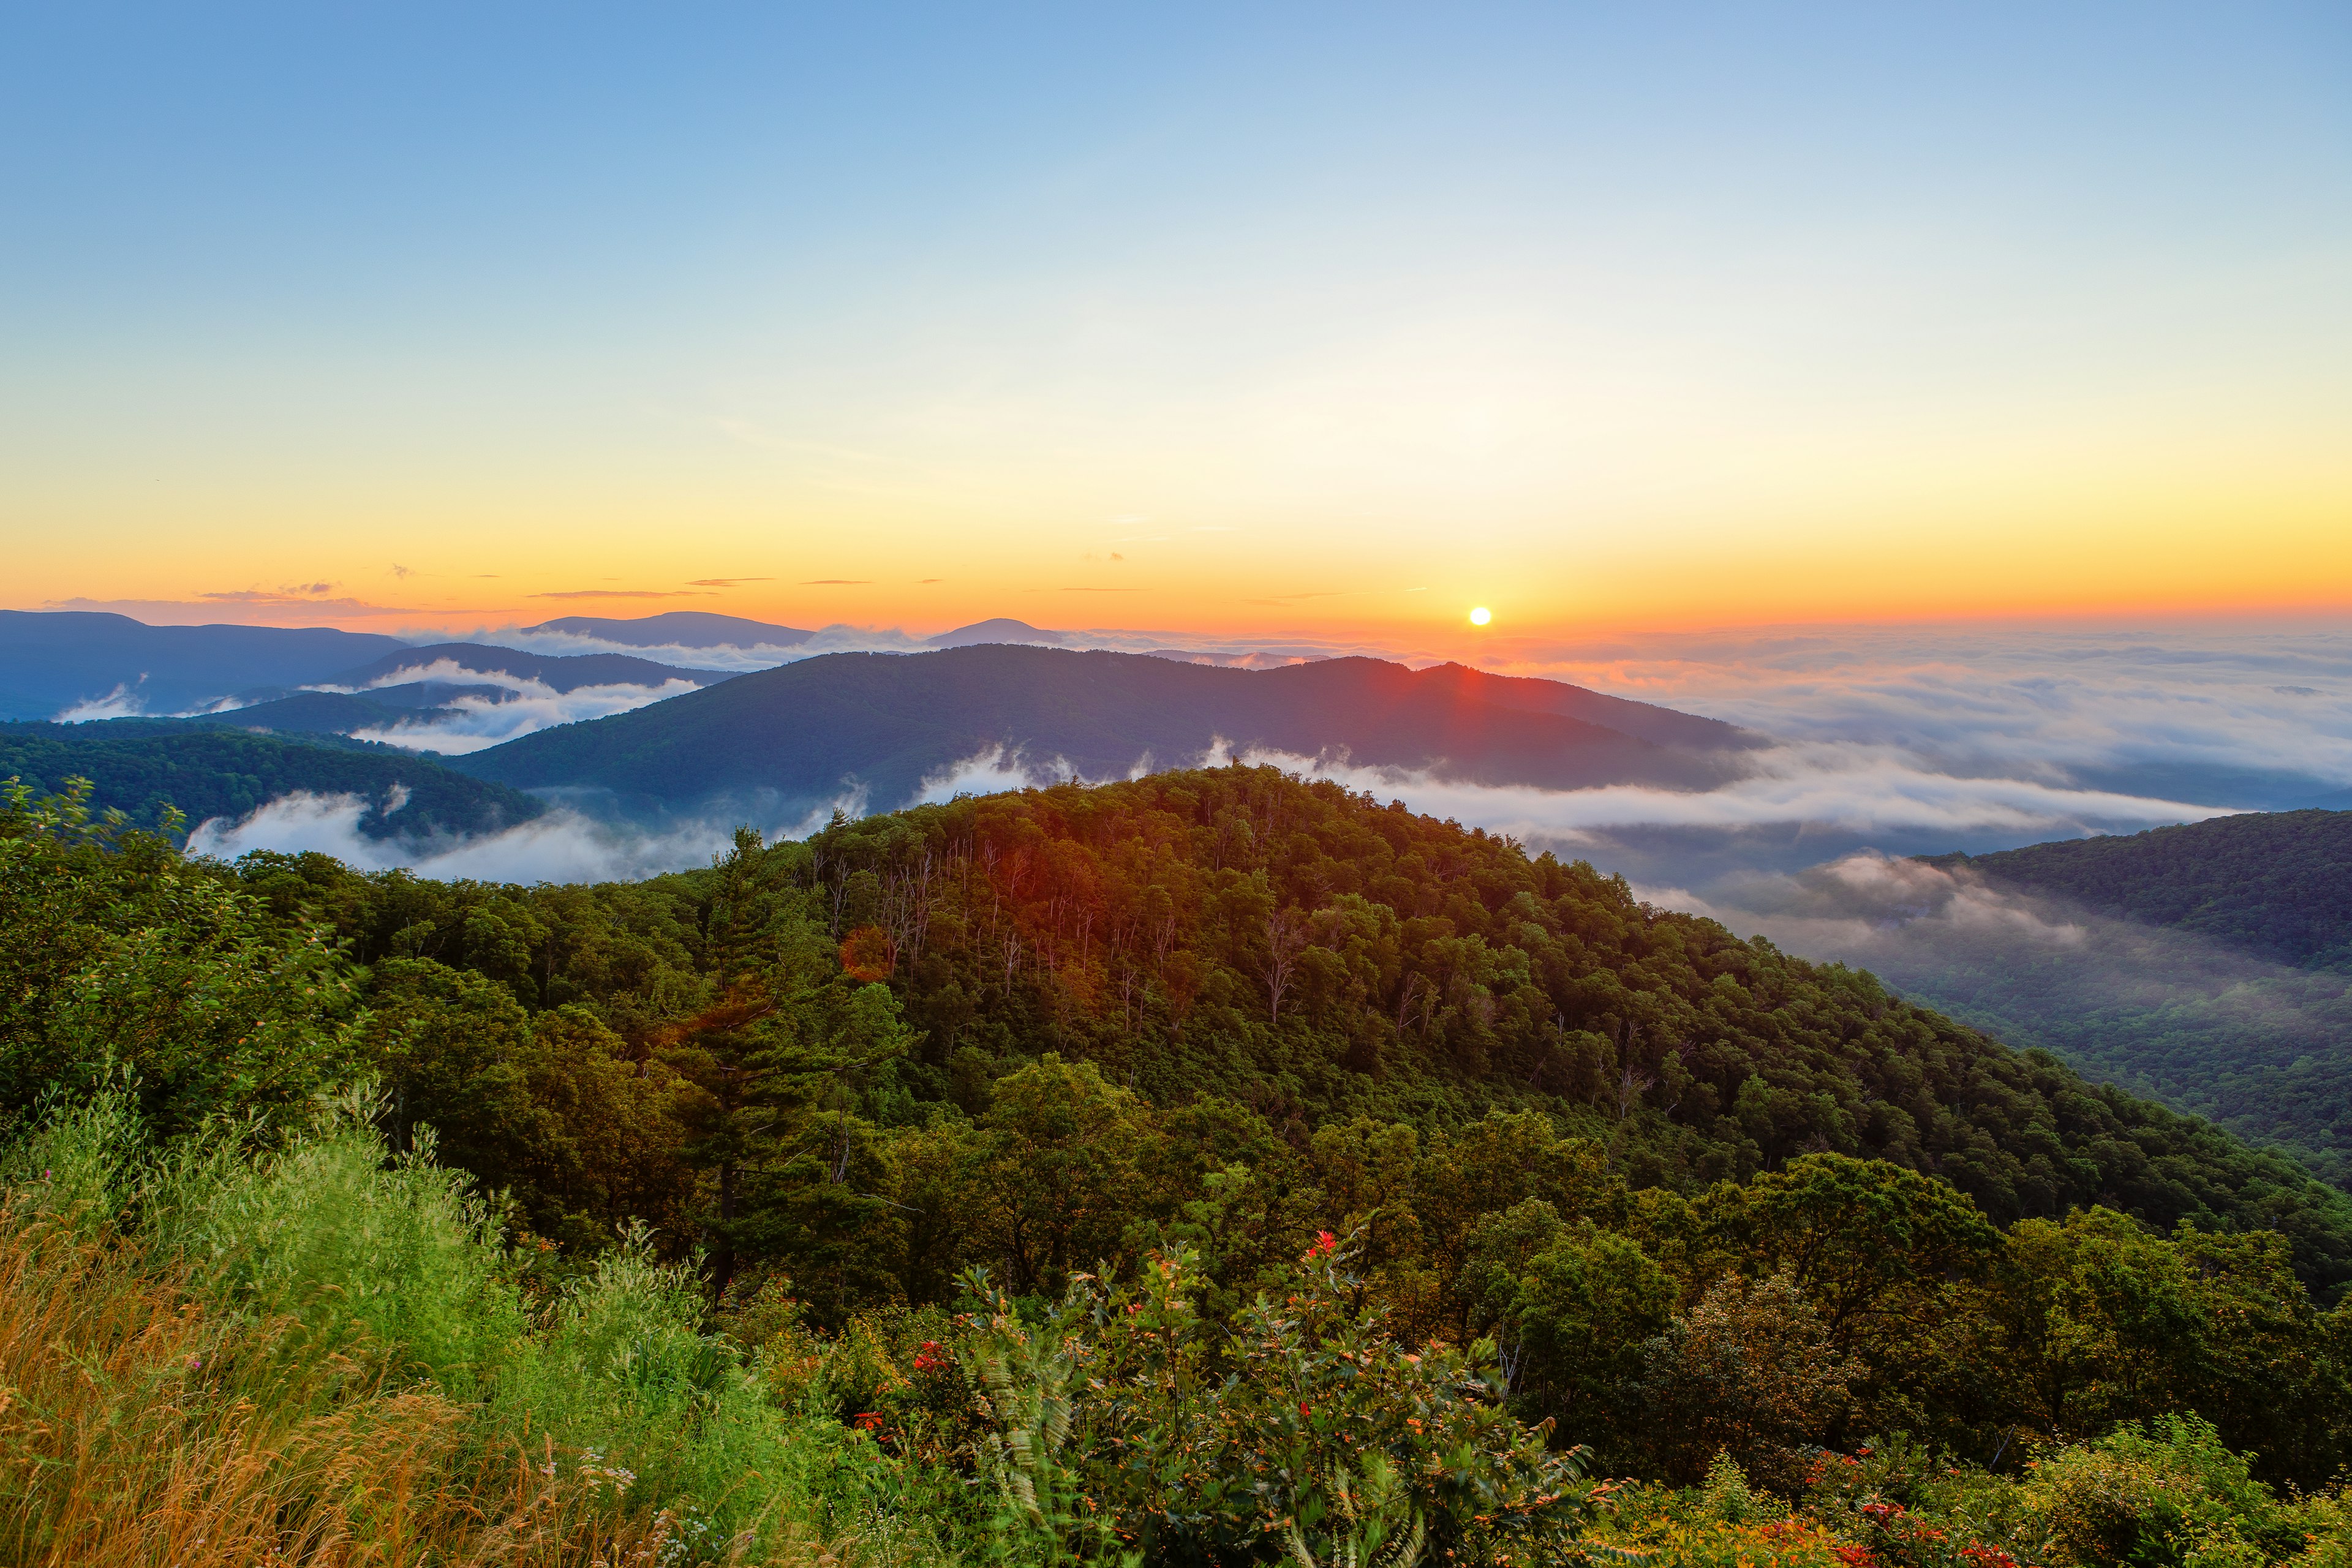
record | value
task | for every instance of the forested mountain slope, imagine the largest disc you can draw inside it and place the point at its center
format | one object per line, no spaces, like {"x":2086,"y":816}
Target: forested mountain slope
{"x":2209,"y":965}
{"x":810,"y":731}
{"x":2277,"y":885}
{"x":140,"y":766}
{"x":1319,"y":957}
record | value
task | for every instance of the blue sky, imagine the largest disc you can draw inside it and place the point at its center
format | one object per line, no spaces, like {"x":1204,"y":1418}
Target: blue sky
{"x":1456,"y":293}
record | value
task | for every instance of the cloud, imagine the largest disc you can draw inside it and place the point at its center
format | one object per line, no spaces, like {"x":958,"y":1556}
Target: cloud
{"x":726,"y":582}
{"x":254,"y":606}
{"x":473,"y":723}
{"x":2215,"y":706}
{"x":1866,"y":907}
{"x":300,"y":592}
{"x":561,"y":846}
{"x":1856,"y":789}
{"x":623,"y":593}
{"x":122,"y":702}
{"x":990,"y":771}
{"x":2147,"y":1007}
{"x":726,"y":656}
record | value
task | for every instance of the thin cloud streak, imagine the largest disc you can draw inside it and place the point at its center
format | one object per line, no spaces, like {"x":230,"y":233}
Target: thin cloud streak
{"x":564,"y":846}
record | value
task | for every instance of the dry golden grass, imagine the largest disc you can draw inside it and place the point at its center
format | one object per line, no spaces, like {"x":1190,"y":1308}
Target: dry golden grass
{"x":138,"y":1427}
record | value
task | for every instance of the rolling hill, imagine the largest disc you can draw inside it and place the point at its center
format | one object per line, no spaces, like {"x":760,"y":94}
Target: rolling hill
{"x":138,"y":766}
{"x":2276,"y":885}
{"x":887,"y":722}
{"x":2209,"y":966}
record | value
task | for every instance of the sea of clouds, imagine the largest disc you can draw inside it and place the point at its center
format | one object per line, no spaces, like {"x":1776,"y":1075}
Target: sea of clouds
{"x":564,"y":846}
{"x":1886,"y":741}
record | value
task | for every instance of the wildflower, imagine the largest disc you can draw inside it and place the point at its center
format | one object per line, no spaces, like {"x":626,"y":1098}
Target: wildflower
{"x":1324,"y":1242}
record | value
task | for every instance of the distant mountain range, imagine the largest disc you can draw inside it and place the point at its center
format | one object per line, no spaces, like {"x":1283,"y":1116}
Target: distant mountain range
{"x":880,"y":726}
{"x":86,"y":665}
{"x":811,"y":731}
{"x":53,"y":660}
{"x":703,"y":629}
{"x":678,"y":628}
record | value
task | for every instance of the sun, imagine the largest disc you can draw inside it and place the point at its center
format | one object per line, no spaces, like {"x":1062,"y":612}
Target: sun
{"x":1481,"y":615}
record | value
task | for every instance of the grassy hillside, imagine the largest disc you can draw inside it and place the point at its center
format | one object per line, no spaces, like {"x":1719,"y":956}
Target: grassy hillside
{"x":139,"y":769}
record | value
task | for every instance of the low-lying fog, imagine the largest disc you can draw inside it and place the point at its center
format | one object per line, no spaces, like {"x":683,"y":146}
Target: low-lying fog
{"x":1900,"y":741}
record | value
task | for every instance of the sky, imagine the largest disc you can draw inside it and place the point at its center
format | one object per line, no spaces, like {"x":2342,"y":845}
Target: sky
{"x":1306,"y":320}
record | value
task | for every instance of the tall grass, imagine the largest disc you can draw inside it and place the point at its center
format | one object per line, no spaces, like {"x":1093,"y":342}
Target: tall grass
{"x":316,"y":1354}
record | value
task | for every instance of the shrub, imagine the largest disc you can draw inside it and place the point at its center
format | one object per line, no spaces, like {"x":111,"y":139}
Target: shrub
{"x":1122,"y":1420}
{"x":2164,"y":1494}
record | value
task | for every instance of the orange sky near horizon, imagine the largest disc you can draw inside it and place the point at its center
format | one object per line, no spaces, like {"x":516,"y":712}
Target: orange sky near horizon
{"x":1268,"y":581}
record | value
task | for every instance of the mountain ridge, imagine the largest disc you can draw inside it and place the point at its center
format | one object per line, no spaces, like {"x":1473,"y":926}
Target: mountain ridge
{"x":811,"y":730}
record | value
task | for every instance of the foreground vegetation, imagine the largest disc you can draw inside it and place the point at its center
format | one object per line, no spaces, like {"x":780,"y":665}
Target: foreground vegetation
{"x":1213,"y":1169}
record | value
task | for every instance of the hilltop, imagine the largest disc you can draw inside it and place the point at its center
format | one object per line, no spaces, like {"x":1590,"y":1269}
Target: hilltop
{"x":138,"y":766}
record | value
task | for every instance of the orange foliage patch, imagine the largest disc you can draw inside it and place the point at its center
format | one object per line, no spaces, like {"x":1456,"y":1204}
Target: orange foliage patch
{"x":866,"y":954}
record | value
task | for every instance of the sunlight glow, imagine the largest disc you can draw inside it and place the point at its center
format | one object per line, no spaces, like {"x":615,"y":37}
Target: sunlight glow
{"x":1481,"y":615}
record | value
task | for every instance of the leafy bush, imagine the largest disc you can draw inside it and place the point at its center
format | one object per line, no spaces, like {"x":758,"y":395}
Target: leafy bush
{"x":1122,"y":1419}
{"x":2166,"y":1495}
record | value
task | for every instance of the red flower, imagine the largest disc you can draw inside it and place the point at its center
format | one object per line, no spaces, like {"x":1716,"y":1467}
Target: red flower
{"x":1303,"y":1410}
{"x":867,"y":1420}
{"x":1324,"y":1242}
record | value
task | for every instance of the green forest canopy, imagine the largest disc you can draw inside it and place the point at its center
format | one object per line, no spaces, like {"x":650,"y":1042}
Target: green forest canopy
{"x":2277,"y":885}
{"x":139,"y":767}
